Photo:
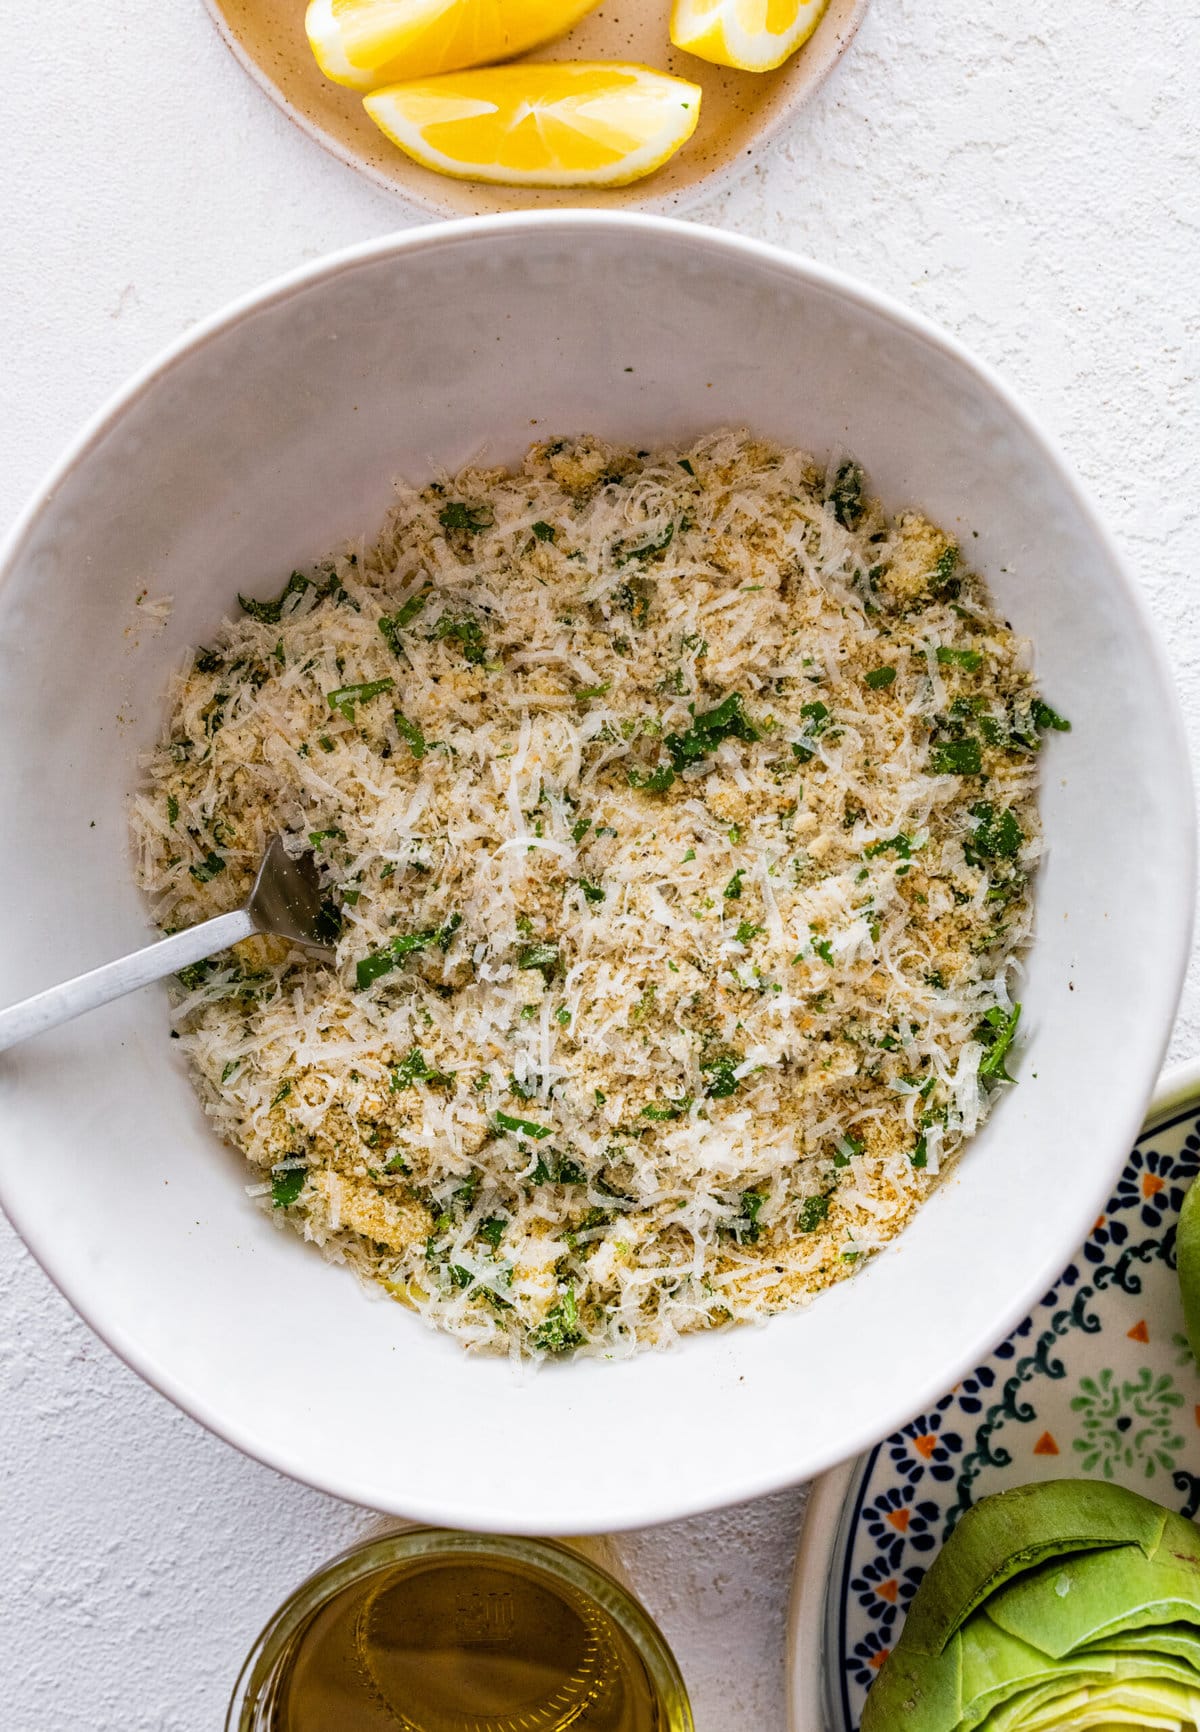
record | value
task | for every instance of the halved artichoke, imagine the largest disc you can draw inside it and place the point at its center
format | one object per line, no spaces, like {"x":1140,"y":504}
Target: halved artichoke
{"x":1073,"y":1603}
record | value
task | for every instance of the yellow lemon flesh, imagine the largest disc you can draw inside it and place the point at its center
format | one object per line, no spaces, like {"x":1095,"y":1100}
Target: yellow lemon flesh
{"x":570,"y":123}
{"x":366,"y":43}
{"x":753,"y":35}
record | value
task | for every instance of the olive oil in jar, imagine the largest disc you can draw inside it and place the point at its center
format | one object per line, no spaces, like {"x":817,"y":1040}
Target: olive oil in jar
{"x":470,"y":1634}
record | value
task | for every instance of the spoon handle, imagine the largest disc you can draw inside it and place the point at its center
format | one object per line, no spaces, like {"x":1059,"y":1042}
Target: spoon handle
{"x":89,"y":991}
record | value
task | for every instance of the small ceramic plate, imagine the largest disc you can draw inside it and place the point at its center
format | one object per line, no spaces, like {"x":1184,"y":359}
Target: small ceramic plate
{"x":1097,"y":1382}
{"x":740,"y":109}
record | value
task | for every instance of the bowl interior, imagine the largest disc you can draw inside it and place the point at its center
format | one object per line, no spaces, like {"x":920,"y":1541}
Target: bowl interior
{"x":271,"y":435}
{"x":740,"y":110}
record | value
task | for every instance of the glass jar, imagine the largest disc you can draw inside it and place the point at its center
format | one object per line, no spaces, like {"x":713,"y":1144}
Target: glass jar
{"x":429,"y":1630}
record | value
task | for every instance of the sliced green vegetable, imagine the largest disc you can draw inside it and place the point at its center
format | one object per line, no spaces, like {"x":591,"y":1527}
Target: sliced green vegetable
{"x":1071,"y":1603}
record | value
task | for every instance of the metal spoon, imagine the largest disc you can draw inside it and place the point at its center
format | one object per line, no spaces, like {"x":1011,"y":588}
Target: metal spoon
{"x":285,"y":901}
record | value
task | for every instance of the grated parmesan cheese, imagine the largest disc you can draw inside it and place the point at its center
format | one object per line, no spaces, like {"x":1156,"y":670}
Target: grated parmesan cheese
{"x":677,"y":811}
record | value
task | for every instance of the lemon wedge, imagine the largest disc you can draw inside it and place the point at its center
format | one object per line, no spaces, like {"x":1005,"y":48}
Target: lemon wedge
{"x":366,"y":43}
{"x":753,"y":35}
{"x":567,"y":123}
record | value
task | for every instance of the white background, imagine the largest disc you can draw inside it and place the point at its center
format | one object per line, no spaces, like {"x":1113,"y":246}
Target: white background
{"x":1024,"y":172}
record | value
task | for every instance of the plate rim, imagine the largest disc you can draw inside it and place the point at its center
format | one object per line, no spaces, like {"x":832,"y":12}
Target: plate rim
{"x":1178,"y":1086}
{"x":710,"y":185}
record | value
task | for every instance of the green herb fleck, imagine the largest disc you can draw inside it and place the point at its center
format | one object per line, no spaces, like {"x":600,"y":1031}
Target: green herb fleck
{"x":522,"y":1127}
{"x":380,"y":962}
{"x":955,"y":758}
{"x":846,"y":495}
{"x":287,"y":1186}
{"x":559,"y":1330}
{"x":722,"y":1082}
{"x":208,"y":868}
{"x":543,"y":956}
{"x":544,"y":531}
{"x":346,"y":697}
{"x":458,"y":515}
{"x":996,"y":1033}
{"x":970,"y":660}
{"x":814,"y":1211}
{"x":878,"y":678}
{"x":271,"y":612}
{"x":655,"y":781}
{"x":410,"y":733}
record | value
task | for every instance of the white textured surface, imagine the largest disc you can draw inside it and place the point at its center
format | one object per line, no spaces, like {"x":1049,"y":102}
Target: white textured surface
{"x":1026,"y":174}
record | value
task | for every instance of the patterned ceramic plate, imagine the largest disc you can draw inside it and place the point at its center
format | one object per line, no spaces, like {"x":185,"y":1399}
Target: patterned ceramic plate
{"x":1097,"y":1381}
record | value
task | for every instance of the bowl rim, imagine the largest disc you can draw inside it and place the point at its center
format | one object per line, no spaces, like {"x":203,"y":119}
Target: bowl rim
{"x":629,"y":1509}
{"x":1178,"y":1086}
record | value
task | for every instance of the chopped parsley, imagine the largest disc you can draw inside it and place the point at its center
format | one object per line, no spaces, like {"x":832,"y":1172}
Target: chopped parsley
{"x":955,"y":758}
{"x":970,"y":660}
{"x":413,"y":1069}
{"x":172,"y":810}
{"x":522,"y":1127}
{"x":846,"y":495}
{"x":410,"y":733}
{"x":544,"y":531}
{"x":655,"y":781}
{"x":271,"y":612}
{"x":391,"y":625}
{"x":591,"y":890}
{"x":472,"y":519}
{"x":286,"y":1186}
{"x":346,"y":698}
{"x":996,"y":1033}
{"x":465,"y":632}
{"x":728,"y":721}
{"x":623,"y":552}
{"x":722,"y":1078}
{"x":380,"y":962}
{"x":997,"y":835}
{"x":733,"y":890}
{"x":543,"y":956}
{"x":747,"y":1225}
{"x":814,"y":1212}
{"x":878,"y":678}
{"x":209,"y":867}
{"x":559,"y":1330}
{"x":747,"y":931}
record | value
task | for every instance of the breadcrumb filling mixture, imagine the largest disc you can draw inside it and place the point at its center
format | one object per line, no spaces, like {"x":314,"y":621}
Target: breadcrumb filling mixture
{"x":676,"y":817}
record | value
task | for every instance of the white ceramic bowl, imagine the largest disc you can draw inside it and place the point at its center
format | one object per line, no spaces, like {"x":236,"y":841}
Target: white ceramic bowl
{"x":256,"y":444}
